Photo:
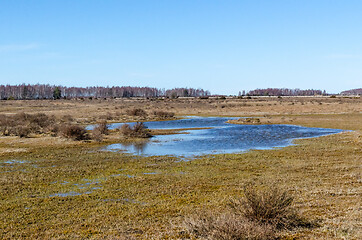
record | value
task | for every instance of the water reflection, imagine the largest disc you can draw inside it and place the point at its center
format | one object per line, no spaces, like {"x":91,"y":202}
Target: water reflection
{"x":138,"y":148}
{"x":221,"y":138}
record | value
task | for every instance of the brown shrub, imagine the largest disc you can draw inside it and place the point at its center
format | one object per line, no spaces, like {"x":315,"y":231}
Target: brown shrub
{"x":102,"y":128}
{"x":23,"y":124}
{"x":107,"y":116}
{"x":136,"y":112}
{"x":260,"y":215}
{"x":67,"y":118}
{"x":74,"y":132}
{"x":54,"y":129}
{"x":163,"y":115}
{"x":97,"y":135}
{"x":272,"y":205}
{"x":138,"y":130}
{"x":22,"y":131}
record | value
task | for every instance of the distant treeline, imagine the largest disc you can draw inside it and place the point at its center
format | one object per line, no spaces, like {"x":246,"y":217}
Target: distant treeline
{"x":285,"y":92}
{"x":357,"y":91}
{"x":42,"y":91}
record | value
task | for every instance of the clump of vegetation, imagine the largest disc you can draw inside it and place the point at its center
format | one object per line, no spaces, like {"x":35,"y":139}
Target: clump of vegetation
{"x":107,"y":116}
{"x":272,"y":206}
{"x":100,"y":130}
{"x":102,"y":127}
{"x":261,"y":214}
{"x":163,"y":114}
{"x":138,"y":130}
{"x":136,"y":112}
{"x":22,"y":131}
{"x":246,"y":121}
{"x":23,"y":124}
{"x":67,"y":118}
{"x":74,"y":132}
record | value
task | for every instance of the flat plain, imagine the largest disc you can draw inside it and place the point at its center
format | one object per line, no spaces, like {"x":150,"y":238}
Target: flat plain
{"x":55,"y":188}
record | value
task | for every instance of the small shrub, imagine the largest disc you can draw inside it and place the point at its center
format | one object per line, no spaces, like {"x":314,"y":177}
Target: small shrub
{"x":136,"y":112}
{"x":74,"y":132}
{"x":138,"y":130}
{"x":102,"y":128}
{"x":107,"y":116}
{"x":262,"y":214}
{"x":271,"y":206}
{"x":54,"y":129}
{"x":163,"y":115}
{"x":67,"y":118}
{"x":22,"y":131}
{"x":97,"y":135}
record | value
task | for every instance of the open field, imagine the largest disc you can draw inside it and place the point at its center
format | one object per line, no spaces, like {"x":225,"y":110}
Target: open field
{"x":119,"y":196}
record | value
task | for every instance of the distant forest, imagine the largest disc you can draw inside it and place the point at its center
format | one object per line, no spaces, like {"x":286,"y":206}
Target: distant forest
{"x":45,"y":91}
{"x":41,"y":91}
{"x":285,"y":92}
{"x":357,"y":91}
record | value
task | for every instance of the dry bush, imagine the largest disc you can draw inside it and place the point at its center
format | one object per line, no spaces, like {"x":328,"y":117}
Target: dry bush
{"x":136,"y":112}
{"x":228,"y":227}
{"x":74,"y":132}
{"x":260,"y":215}
{"x":97,"y":135}
{"x":67,"y":118}
{"x":272,"y":205}
{"x":107,"y":116}
{"x":22,"y":131}
{"x":54,"y":129}
{"x":23,"y":124}
{"x":138,"y":130}
{"x":102,"y":128}
{"x":163,"y":115}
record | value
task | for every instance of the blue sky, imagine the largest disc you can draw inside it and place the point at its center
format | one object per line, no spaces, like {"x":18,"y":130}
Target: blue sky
{"x":222,"y":46}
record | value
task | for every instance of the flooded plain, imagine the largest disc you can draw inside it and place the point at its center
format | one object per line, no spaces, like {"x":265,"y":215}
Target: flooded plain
{"x":217,"y":137}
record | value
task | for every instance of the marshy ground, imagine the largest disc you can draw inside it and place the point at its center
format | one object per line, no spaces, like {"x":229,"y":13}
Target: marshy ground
{"x":54,"y":188}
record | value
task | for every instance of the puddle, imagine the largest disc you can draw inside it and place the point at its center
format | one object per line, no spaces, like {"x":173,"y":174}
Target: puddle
{"x":68,"y":194}
{"x":87,"y":187}
{"x":14,"y":161}
{"x":127,"y":175}
{"x":133,"y":201}
{"x":221,"y":138}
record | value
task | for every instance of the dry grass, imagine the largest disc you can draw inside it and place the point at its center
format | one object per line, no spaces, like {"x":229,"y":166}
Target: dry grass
{"x":91,"y":111}
{"x":228,"y":227}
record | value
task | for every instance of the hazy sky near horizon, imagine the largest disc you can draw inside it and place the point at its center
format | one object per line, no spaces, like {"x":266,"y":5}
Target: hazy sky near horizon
{"x":222,"y":46}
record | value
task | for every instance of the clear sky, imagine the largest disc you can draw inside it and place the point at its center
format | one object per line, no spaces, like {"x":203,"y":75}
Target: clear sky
{"x":222,"y":46}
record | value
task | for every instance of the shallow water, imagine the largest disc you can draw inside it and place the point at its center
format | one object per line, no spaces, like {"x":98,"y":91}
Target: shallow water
{"x":221,"y":138}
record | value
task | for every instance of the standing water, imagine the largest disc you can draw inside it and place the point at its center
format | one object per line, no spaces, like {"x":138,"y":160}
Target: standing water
{"x":222,"y":137}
